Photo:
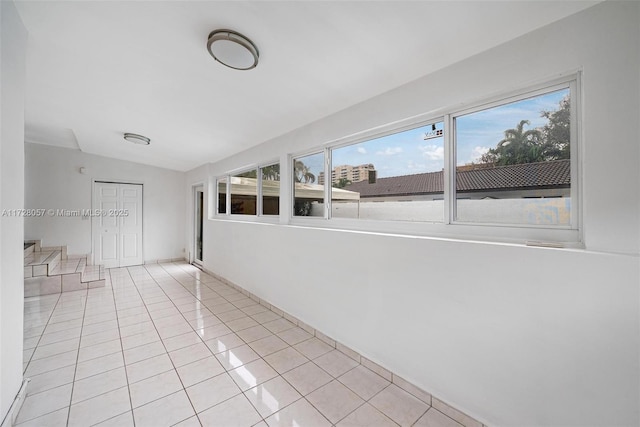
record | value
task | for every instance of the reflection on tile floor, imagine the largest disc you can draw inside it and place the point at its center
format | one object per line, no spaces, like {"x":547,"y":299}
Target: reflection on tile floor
{"x":166,"y":344}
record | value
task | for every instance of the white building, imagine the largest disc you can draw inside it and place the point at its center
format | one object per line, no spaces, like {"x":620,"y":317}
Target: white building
{"x":348,"y":172}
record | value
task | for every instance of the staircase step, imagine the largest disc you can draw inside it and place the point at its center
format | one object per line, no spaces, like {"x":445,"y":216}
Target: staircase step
{"x":42,"y":263}
{"x":43,"y":285}
{"x":72,"y":282}
{"x":81,"y":265}
{"x":93,"y":273}
{"x":66,"y":267}
{"x":48,"y":270}
{"x":28,"y":248}
{"x":37,"y":258}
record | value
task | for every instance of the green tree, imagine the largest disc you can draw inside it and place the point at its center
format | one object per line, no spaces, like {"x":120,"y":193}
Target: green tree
{"x":302,"y":174}
{"x":557,"y":132}
{"x":342,"y":182}
{"x":550,"y":142}
{"x":271,"y":173}
{"x":518,"y":146}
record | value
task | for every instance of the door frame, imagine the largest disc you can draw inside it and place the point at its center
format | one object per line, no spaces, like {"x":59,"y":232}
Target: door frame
{"x":91,"y":260}
{"x":194,"y":229}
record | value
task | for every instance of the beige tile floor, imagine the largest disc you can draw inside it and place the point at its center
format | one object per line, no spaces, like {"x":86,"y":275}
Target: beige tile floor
{"x":166,"y":344}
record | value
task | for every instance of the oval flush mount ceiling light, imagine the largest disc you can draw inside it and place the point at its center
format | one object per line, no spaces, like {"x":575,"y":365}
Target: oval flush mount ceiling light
{"x":232,"y":49}
{"x":137,"y":139}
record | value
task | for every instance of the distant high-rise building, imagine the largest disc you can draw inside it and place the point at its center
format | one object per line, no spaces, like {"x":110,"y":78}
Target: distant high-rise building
{"x":348,"y":172}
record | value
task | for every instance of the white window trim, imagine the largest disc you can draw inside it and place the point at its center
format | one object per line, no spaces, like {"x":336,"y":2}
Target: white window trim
{"x":449,"y":229}
{"x":565,"y":236}
{"x":258,"y":217}
{"x":292,"y":184}
{"x":411,"y":124}
{"x":235,"y":173}
{"x":217,"y":179}
{"x":570,"y":82}
{"x":260,"y":214}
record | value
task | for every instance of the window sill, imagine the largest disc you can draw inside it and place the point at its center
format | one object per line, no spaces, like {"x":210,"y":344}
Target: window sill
{"x":522,"y":235}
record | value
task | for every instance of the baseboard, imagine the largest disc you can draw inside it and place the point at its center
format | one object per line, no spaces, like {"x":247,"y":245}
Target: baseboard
{"x":436,"y":403}
{"x":14,"y":410}
{"x":164,"y":260}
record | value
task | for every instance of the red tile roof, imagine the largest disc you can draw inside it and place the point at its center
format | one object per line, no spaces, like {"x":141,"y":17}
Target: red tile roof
{"x":551,"y":174}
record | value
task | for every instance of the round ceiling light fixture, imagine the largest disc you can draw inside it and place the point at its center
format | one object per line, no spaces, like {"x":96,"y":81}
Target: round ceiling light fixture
{"x":232,"y":49}
{"x":137,"y":139}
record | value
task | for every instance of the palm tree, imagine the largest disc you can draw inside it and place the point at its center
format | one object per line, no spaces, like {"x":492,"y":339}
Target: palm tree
{"x":271,"y":173}
{"x":518,"y":146}
{"x":302,"y":173}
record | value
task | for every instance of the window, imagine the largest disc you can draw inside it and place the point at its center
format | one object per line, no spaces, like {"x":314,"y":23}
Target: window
{"x":505,"y":169}
{"x":222,"y":195}
{"x":244,"y":193}
{"x":270,"y":189}
{"x":513,"y":161}
{"x":247,"y":195}
{"x":308,"y":185}
{"x":388,"y":172}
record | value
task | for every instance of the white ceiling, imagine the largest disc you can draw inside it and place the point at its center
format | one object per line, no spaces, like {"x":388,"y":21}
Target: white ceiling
{"x":98,"y":69}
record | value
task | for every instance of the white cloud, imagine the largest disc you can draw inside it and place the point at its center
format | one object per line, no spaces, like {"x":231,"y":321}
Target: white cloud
{"x":432,"y":152}
{"x":411,"y":165}
{"x":477,"y":152}
{"x":390,"y":151}
{"x":361,"y":150}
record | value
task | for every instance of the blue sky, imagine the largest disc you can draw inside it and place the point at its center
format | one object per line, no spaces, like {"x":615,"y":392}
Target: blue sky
{"x":409,"y":153}
{"x":477,"y":132}
{"x":399,"y":154}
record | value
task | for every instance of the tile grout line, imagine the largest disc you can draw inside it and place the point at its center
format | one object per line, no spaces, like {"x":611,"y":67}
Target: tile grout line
{"x":310,"y":360}
{"x":75,"y":371}
{"x":124,"y":366}
{"x":41,"y":334}
{"x":204,"y":342}
{"x":54,"y":306}
{"x":281,"y":375}
{"x":323,"y":337}
{"x":235,"y":333}
{"x":161,"y":341}
{"x":132,"y":283}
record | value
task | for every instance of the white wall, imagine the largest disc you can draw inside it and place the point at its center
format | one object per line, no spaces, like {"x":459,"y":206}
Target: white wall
{"x":13,"y":44}
{"x":510,"y":334}
{"x":53,"y":181}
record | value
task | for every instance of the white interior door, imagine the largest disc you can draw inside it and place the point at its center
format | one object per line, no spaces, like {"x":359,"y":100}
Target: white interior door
{"x":107,"y":242}
{"x":117,"y":224}
{"x":130,"y":224}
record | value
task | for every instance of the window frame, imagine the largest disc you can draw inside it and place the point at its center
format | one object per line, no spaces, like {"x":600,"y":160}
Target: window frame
{"x":571,"y":82}
{"x":292,"y":184}
{"x":246,"y":217}
{"x":546,"y":235}
{"x":217,"y":198}
{"x":233,"y":174}
{"x":449,"y":229}
{"x":408,"y":125}
{"x":260,"y":213}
